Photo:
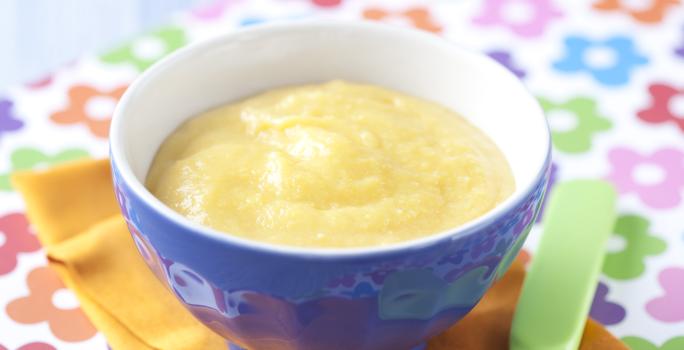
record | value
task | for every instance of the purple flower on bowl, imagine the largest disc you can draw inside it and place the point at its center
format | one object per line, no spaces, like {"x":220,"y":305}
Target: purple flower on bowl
{"x":553,"y":176}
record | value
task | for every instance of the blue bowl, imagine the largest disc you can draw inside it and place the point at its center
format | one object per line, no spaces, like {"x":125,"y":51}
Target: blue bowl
{"x":263,"y":296}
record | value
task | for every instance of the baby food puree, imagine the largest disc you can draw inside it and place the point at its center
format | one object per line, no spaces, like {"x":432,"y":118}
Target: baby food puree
{"x":330,"y":165}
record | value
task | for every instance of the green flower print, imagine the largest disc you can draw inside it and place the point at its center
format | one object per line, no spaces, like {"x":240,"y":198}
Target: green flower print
{"x":636,"y":343}
{"x":573,"y":123}
{"x":629,"y":262}
{"x":144,"y":51}
{"x":31,"y":158}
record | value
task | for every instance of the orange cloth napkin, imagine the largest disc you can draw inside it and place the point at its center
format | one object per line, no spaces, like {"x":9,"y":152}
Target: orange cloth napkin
{"x":87,"y":242}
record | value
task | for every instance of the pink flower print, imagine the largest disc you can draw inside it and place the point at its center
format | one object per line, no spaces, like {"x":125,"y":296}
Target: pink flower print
{"x":15,"y":237}
{"x":213,"y":10}
{"x":37,"y":346}
{"x":657,"y":179}
{"x":40,"y":83}
{"x":326,"y":3}
{"x":667,"y":105}
{"x":670,"y":306}
{"x":527,"y":18}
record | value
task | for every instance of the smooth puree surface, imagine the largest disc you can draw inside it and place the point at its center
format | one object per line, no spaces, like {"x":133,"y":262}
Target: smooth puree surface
{"x":330,"y":165}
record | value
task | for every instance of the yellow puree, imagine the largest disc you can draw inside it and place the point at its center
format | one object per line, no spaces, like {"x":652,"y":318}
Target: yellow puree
{"x":330,"y":165}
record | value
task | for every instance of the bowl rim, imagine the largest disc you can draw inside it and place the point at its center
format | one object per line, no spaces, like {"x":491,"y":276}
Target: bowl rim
{"x":120,"y":165}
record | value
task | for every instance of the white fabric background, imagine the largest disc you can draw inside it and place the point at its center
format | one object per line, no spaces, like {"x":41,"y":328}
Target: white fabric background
{"x":37,"y":36}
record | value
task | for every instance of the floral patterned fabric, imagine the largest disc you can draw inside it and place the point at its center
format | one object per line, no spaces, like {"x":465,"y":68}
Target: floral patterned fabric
{"x":608,"y":73}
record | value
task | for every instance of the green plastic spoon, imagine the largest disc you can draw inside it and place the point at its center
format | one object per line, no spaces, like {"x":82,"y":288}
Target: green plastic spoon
{"x":561,"y":281}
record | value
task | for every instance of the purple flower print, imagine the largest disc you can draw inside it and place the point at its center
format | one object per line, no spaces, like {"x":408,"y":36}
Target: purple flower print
{"x":657,"y":179}
{"x":680,"y":51}
{"x":8,"y":121}
{"x":454,"y":258}
{"x":604,"y":311}
{"x":506,"y":59}
{"x":527,"y":18}
{"x":484,"y":247}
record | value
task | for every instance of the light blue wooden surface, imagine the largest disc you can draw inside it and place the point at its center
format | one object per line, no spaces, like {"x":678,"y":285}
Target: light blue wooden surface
{"x":37,"y":36}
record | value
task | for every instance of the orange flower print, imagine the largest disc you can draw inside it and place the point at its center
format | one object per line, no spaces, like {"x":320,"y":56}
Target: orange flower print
{"x":91,"y":107}
{"x":653,"y":13}
{"x":49,"y":301}
{"x":524,"y":256}
{"x":419,"y":17}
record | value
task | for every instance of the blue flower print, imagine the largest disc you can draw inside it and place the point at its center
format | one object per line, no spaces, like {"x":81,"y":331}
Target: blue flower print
{"x":256,"y":20}
{"x":250,"y":21}
{"x":609,"y":61}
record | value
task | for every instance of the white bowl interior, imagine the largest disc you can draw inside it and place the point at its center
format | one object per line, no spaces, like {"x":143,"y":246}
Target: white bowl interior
{"x":253,"y":60}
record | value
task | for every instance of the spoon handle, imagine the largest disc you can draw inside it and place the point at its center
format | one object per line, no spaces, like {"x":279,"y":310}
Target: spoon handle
{"x":562,"y":278}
